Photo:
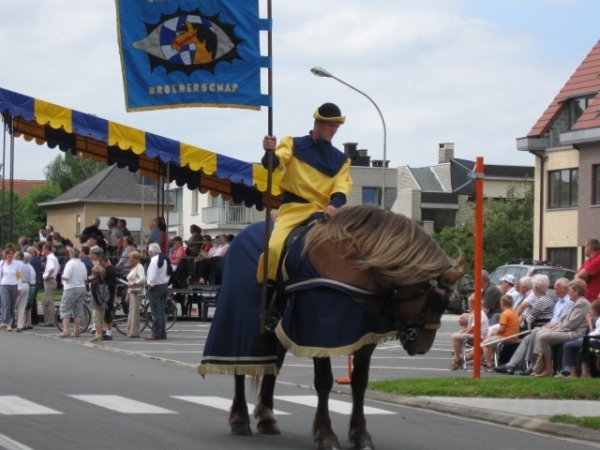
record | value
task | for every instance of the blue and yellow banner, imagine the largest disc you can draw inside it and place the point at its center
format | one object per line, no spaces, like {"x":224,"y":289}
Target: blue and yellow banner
{"x":185,"y":53}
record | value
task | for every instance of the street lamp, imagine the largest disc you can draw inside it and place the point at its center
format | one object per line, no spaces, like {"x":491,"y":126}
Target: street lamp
{"x":320,"y":72}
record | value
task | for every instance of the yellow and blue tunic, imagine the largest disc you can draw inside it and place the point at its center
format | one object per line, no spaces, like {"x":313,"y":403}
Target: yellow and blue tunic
{"x":316,"y":174}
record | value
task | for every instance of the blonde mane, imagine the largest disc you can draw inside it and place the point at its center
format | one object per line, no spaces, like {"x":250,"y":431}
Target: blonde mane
{"x":394,"y":246}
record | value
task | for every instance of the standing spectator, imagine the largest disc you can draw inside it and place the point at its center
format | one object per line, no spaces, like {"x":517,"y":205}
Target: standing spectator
{"x":49,"y":231}
{"x":24,"y":243}
{"x":572,"y":326}
{"x":50,"y":273}
{"x":162,"y":226}
{"x":98,"y":303}
{"x":92,"y":243}
{"x":71,"y":304}
{"x":10,"y":287}
{"x":32,"y":306}
{"x":195,"y":240}
{"x":122,"y":224}
{"x":42,"y":235}
{"x":110,"y":279}
{"x":154,"y":236}
{"x":94,"y":230}
{"x":157,"y":282}
{"x":114,"y":233}
{"x":58,"y":248}
{"x":84,"y":256}
{"x":590,"y":270}
{"x":490,"y":297}
{"x":31,"y":295}
{"x":508,"y":328}
{"x":124,"y":262}
{"x":27,"y":279}
{"x":136,"y":282}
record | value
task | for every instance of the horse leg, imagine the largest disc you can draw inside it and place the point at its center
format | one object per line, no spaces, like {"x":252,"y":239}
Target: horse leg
{"x":239,"y":419}
{"x":263,"y":411}
{"x":359,"y":436}
{"x":325,"y":438}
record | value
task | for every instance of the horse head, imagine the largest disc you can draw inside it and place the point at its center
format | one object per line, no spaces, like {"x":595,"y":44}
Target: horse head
{"x":186,"y":35}
{"x":388,"y":253}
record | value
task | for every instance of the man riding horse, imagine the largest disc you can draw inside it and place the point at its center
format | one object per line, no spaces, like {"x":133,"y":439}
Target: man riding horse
{"x":316,"y":179}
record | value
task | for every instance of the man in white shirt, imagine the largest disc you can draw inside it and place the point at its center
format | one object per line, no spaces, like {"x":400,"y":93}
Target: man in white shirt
{"x":50,"y":273}
{"x":71,"y":304}
{"x":157,"y":280}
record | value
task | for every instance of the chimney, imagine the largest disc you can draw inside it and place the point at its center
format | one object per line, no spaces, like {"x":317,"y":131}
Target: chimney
{"x":350,"y":148}
{"x":446,"y":152}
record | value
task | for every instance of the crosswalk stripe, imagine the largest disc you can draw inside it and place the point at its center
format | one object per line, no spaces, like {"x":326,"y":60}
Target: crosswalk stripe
{"x":10,"y":444}
{"x":12,"y":405}
{"x":221,"y":403}
{"x":122,"y":404}
{"x":337,"y":406}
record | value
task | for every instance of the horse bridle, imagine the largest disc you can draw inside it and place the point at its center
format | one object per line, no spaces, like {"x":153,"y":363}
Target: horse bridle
{"x":437,"y":302}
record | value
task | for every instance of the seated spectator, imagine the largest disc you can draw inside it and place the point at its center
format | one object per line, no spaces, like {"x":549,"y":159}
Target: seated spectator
{"x":507,"y":331}
{"x":195,"y":240}
{"x":466,"y":335}
{"x":507,"y":286}
{"x":527,"y":297}
{"x":490,"y":297}
{"x":524,"y":353}
{"x":542,"y":308}
{"x":571,"y":348}
{"x":212,"y":263}
{"x":177,"y":253}
{"x":572,"y":326}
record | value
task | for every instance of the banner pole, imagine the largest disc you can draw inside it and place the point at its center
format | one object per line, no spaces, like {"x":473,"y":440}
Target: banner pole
{"x":264,"y":299}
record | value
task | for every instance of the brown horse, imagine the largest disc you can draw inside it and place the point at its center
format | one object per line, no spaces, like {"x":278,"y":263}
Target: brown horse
{"x":397,"y":272}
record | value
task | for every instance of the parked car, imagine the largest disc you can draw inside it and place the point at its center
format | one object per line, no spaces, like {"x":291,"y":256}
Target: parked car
{"x":458,"y":299}
{"x":527,"y":267}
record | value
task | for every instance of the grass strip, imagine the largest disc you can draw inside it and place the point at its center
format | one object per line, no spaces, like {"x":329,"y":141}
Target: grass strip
{"x":496,"y":387}
{"x":592,"y":423}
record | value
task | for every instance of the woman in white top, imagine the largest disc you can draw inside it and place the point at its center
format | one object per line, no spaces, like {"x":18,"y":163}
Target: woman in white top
{"x":27,"y":279}
{"x":10,"y":276}
{"x":136,"y":283}
{"x":73,"y":278}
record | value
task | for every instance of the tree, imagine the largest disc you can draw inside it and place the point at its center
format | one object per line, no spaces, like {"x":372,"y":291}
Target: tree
{"x":68,"y":170}
{"x":507,"y":231}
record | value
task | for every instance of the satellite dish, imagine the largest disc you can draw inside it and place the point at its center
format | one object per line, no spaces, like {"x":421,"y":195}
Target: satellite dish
{"x":461,"y":176}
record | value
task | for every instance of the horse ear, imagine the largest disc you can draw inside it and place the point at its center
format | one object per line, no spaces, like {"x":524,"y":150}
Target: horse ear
{"x":460,"y":261}
{"x":451,"y":277}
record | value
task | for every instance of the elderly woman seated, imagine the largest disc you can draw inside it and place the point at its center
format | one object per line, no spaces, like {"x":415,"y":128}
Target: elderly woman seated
{"x":572,"y":326}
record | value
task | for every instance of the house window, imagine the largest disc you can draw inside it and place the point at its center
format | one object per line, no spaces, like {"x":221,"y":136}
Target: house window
{"x":564,"y":188}
{"x":78,"y":226}
{"x":576,"y":108}
{"x":195,"y":202}
{"x":596,"y":175}
{"x":179,"y":199}
{"x":370,"y":196}
{"x":565,"y":256}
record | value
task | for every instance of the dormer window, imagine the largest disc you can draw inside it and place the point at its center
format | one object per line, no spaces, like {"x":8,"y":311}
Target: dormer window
{"x":577,"y":106}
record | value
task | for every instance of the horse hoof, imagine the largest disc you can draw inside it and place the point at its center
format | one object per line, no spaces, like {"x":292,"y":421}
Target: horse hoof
{"x":268,"y":427}
{"x":327,"y":444}
{"x":241,"y":429}
{"x":362,"y":444}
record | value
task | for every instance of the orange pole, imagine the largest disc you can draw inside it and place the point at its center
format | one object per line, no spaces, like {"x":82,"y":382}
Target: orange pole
{"x":349,"y":379}
{"x":478,"y":266}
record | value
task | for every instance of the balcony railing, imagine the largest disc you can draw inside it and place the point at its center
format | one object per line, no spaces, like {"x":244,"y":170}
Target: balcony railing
{"x":227,"y":214}
{"x":175,"y":218}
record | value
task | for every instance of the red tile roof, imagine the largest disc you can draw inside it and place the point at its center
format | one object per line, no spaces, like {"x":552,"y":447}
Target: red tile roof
{"x":22,"y":187}
{"x":584,"y":80}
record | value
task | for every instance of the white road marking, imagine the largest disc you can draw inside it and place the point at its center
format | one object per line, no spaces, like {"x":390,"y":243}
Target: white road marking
{"x":11,"y":405}
{"x":122,"y":404}
{"x":9,"y":444}
{"x":337,"y":406}
{"x":221,"y":403}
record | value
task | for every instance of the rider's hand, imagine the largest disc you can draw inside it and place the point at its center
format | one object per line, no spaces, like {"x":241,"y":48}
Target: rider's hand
{"x":269,"y":143}
{"x":329,"y":210}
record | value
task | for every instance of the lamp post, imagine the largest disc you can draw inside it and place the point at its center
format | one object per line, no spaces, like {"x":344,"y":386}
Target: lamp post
{"x":320,"y":72}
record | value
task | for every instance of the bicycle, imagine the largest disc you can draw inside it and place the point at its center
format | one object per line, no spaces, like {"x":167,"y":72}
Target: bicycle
{"x":170,"y":312}
{"x":86,"y":318}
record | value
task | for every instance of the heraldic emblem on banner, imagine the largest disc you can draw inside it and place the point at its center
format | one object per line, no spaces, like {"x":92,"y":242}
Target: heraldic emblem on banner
{"x":178,"y":53}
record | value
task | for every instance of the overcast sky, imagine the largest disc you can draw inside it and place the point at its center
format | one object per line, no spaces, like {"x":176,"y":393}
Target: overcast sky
{"x":478,"y":73}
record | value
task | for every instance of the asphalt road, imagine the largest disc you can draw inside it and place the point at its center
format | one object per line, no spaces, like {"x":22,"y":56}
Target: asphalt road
{"x":56,"y":394}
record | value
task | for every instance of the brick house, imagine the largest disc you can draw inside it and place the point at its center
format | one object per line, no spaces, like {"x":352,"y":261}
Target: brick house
{"x":566,"y":143}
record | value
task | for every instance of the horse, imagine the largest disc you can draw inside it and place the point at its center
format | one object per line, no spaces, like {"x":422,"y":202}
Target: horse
{"x":200,"y":37}
{"x":384,"y":275}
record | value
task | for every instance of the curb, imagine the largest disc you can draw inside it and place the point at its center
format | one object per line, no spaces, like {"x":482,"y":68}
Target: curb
{"x":537,"y":424}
